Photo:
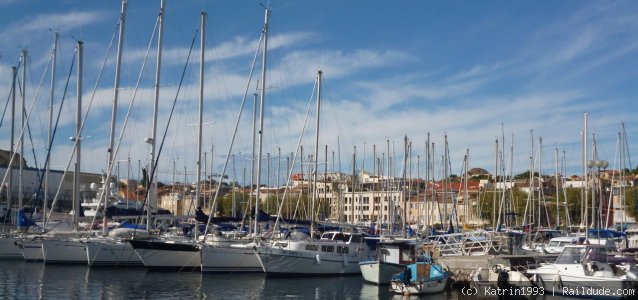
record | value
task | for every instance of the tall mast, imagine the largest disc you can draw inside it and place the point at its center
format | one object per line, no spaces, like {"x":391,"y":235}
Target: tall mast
{"x":403,"y":188}
{"x":426,"y":211}
{"x":78,"y":142}
{"x":495,"y":183}
{"x":341,"y":205}
{"x":201,"y":115}
{"x":388,"y":192}
{"x":354,"y":176}
{"x":50,"y":134}
{"x":584,"y":195}
{"x":557,"y":189}
{"x":261,"y":115}
{"x":445,"y":181}
{"x":116,"y":90}
{"x":316,"y":169}
{"x":252,"y":158}
{"x":23,"y":121}
{"x":150,"y":203}
{"x":12,"y":149}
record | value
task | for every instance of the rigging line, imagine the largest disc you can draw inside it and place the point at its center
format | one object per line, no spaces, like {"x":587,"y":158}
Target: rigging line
{"x":168,"y":123}
{"x":230,"y":148}
{"x":294,"y":159}
{"x":6,"y":106}
{"x":128,"y":113}
{"x":20,"y":137}
{"x":55,"y":128}
{"x":37,"y":108}
{"x":130,"y":108}
{"x":35,"y":97}
{"x":84,"y":118}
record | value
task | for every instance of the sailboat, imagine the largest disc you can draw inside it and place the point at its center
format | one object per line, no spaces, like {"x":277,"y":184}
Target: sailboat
{"x":171,"y":252}
{"x":335,"y":252}
{"x":219,"y":254}
{"x":114,"y":249}
{"x":8,"y":246}
{"x":71,"y":250}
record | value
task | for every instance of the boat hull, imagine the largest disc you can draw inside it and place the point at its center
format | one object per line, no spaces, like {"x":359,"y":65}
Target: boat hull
{"x":379,"y":272}
{"x":163,"y":255}
{"x":32,"y":250}
{"x":425,"y":287}
{"x":230,"y":258}
{"x":9,"y":249}
{"x":282,"y":262}
{"x":64,"y":251}
{"x":111,"y":253}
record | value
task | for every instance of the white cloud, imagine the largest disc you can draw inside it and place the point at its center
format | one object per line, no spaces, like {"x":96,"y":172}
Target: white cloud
{"x":32,"y":28}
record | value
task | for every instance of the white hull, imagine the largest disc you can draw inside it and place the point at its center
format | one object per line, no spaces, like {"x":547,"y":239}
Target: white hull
{"x":379,"y":272}
{"x":427,"y":287}
{"x":9,"y":249}
{"x":64,"y":251}
{"x":32,"y":250}
{"x":168,"y":255}
{"x":233,"y":258}
{"x":277,"y":261}
{"x":110,"y":252}
{"x":569,"y":283}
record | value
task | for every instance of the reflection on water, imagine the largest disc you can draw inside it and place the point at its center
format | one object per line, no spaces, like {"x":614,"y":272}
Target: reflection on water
{"x":36,"y":281}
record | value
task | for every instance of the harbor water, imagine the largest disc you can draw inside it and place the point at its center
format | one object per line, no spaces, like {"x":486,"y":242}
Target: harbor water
{"x":22,"y":280}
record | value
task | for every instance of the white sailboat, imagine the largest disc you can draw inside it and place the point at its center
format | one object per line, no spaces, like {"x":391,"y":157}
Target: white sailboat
{"x":237,"y":254}
{"x":9,"y":248}
{"x":170,"y":252}
{"x":71,"y":250}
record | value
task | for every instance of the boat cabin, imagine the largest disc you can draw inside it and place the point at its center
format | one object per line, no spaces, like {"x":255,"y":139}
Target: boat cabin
{"x":396,"y":252}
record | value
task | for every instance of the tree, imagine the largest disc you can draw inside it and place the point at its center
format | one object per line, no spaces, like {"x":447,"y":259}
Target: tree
{"x":524,"y":175}
{"x":631,"y":199}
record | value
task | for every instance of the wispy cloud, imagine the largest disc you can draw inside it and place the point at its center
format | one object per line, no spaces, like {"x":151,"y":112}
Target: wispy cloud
{"x":31,"y":28}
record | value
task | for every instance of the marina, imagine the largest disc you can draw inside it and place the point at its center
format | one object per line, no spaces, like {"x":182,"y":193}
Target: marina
{"x":403,"y":210}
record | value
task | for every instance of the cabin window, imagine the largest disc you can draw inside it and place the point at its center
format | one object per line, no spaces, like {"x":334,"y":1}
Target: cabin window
{"x":340,"y":237}
{"x":571,"y":256}
{"x":329,"y":249}
{"x":311,"y":247}
{"x":281,"y":245}
{"x":355,"y":239}
{"x":343,"y":250}
{"x":327,"y":236}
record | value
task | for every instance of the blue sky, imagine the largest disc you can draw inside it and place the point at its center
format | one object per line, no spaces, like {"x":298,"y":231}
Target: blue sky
{"x":461,"y":68}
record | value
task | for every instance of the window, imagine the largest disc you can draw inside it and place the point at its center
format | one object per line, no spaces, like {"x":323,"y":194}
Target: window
{"x":328,"y":249}
{"x":340,"y":237}
{"x":311,"y":247}
{"x":327,"y":236}
{"x":345,"y":250}
{"x":355,"y":239}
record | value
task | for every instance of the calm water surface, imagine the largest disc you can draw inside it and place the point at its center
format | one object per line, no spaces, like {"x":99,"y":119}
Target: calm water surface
{"x":20,"y":280}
